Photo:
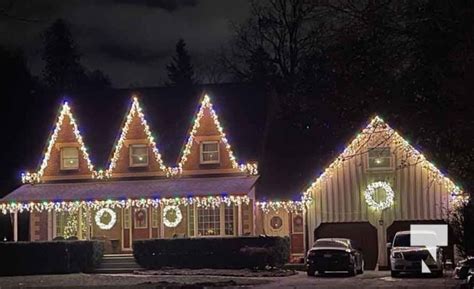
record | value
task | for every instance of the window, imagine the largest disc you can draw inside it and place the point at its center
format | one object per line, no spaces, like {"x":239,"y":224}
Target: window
{"x":126,"y":218}
{"x":138,"y":155}
{"x":209,"y":222}
{"x":210,"y":152}
{"x":298,"y":224}
{"x":229,"y":220}
{"x":140,"y":219}
{"x":69,"y":158}
{"x":61,"y":219}
{"x":379,"y":158}
{"x":154,"y":218}
{"x":191,"y":220}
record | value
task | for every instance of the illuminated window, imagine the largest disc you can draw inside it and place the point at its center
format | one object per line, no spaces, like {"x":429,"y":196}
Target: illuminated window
{"x":210,"y":152}
{"x":209,"y":222}
{"x":379,"y":158}
{"x":69,"y":158}
{"x":138,"y":155}
{"x":61,"y":220}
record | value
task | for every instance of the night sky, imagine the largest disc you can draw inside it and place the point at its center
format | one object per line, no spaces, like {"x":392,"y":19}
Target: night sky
{"x":131,"y":41}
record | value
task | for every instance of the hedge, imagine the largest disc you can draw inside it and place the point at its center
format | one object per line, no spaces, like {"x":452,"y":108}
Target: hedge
{"x":54,"y":257}
{"x":238,"y":252}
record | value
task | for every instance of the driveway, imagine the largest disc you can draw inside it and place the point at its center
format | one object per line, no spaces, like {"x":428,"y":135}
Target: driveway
{"x":370,"y":279}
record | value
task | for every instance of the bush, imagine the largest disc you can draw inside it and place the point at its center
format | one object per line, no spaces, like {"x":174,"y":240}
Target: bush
{"x":239,"y":252}
{"x":26,"y":258}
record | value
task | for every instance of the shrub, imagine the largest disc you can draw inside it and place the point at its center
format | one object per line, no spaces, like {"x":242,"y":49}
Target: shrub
{"x":239,"y":252}
{"x":25,"y":258}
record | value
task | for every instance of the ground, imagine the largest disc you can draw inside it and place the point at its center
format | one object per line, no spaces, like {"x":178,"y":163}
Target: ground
{"x":370,"y":279}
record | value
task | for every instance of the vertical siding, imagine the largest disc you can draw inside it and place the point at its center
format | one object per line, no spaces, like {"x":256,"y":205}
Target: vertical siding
{"x":340,"y":198}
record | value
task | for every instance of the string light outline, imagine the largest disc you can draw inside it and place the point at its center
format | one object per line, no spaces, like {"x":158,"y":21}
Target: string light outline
{"x":250,"y":168}
{"x":135,"y":110}
{"x":457,"y":194}
{"x":208,"y":202}
{"x":37,"y":176}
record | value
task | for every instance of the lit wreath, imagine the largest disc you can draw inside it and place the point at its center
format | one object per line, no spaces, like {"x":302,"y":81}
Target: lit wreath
{"x":98,"y":218}
{"x":370,"y":192}
{"x":178,"y":216}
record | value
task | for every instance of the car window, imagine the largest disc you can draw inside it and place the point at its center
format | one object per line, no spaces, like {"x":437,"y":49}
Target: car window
{"x":331,"y":243}
{"x":403,"y":240}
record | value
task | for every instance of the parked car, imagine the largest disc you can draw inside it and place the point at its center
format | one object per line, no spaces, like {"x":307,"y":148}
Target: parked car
{"x":405,"y":258}
{"x":462,"y":268}
{"x":334,"y":254}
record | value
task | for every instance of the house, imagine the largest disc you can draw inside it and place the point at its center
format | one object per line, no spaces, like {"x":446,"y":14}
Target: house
{"x":208,"y":193}
{"x":379,"y":185}
{"x":151,"y":187}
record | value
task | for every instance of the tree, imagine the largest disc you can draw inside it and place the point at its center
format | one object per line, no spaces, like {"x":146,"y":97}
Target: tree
{"x":63,"y":71}
{"x":180,"y":70}
{"x":462,"y":223}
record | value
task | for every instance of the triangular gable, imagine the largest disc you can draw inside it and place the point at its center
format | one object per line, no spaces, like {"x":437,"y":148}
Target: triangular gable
{"x":135,"y":114}
{"x":65,"y":119}
{"x":377,"y":125}
{"x":207,"y":110}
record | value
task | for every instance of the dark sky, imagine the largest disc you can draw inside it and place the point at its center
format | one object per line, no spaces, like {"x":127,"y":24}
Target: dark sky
{"x":130,"y":40}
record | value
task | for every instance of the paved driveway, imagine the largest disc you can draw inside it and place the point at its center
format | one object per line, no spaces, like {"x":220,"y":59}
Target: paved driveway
{"x":370,"y":279}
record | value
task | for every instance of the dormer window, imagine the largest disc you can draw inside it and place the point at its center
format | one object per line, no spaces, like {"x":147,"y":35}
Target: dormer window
{"x":210,"y":152}
{"x":138,"y":155}
{"x":69,"y":158}
{"x":380,"y":158}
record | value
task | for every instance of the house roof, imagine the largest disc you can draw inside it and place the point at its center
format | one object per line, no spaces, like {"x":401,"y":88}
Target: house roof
{"x":170,"y":116}
{"x":132,"y":189}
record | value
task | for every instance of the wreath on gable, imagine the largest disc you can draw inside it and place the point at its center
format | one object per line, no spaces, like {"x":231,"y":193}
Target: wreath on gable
{"x":370,"y":196}
{"x":111,"y":220}
{"x":172,"y":216}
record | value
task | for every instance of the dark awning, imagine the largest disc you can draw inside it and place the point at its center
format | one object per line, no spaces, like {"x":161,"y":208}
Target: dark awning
{"x":136,"y":189}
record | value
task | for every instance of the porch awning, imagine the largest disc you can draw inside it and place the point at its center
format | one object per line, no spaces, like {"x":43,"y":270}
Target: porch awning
{"x":133,"y":189}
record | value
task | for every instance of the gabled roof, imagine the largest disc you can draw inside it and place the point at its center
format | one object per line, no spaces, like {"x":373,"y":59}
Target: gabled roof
{"x":170,"y":114}
{"x":134,"y":112}
{"x":65,"y":113}
{"x":377,"y":125}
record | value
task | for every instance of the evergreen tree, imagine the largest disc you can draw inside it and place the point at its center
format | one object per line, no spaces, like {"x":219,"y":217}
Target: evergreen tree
{"x":63,"y":71}
{"x":180,"y":70}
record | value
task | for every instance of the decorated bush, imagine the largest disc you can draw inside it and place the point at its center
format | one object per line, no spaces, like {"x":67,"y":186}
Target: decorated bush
{"x":25,"y":258}
{"x":241,"y":252}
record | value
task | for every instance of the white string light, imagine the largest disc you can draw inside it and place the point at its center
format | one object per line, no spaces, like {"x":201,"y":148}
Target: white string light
{"x":37,"y":177}
{"x":112,"y":220}
{"x":209,"y":202}
{"x":377,"y":125}
{"x":177,"y":213}
{"x":135,"y":111}
{"x":370,"y":196}
{"x":250,"y":168}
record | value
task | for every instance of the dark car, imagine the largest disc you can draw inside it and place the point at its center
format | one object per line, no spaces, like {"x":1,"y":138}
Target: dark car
{"x":334,"y":254}
{"x":462,"y":268}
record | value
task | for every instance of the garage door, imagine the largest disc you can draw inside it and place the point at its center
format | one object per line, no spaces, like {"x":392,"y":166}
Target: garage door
{"x":363,"y":234}
{"x":405,"y":226}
